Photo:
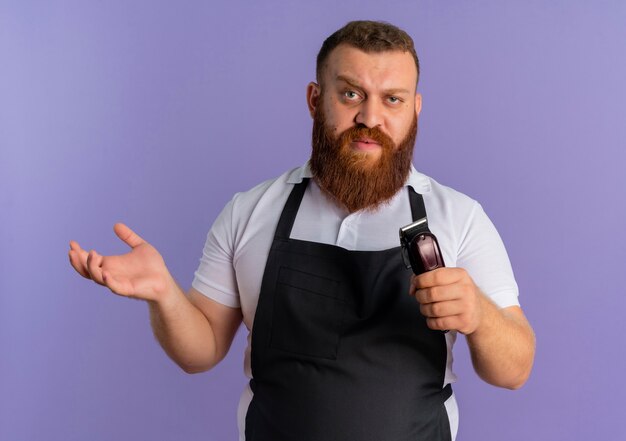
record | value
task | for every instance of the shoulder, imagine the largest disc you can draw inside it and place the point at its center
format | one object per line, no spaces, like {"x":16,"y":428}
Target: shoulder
{"x":266,"y":191}
{"x":441,"y":198}
{"x":260,"y":206}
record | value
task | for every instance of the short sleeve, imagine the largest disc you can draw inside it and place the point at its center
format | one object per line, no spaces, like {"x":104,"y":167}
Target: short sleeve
{"x":483,"y":255}
{"x":215,"y":276}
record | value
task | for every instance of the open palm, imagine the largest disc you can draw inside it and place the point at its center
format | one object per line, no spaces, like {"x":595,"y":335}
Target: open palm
{"x":141,"y":273}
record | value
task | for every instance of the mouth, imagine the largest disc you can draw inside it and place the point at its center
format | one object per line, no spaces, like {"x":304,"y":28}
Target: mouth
{"x":364,"y":144}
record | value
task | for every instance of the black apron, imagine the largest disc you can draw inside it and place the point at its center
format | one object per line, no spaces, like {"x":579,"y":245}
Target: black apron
{"x":340,"y":351}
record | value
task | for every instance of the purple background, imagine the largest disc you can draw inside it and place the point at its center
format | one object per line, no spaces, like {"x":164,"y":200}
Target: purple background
{"x":155,"y":113}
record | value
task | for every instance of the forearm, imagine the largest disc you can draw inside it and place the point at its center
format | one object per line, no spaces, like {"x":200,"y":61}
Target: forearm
{"x":503,"y":346}
{"x":183,"y":332}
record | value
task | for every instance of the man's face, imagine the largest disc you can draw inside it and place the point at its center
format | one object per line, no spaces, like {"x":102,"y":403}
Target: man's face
{"x":370,"y":90}
{"x":365,"y":122}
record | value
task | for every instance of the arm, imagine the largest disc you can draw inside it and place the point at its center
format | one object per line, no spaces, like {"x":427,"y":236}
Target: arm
{"x":194,"y":331}
{"x":503,"y":347}
{"x":501,"y":341}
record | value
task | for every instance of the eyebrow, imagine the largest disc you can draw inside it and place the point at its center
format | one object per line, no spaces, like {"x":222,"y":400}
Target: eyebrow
{"x":354,"y":83}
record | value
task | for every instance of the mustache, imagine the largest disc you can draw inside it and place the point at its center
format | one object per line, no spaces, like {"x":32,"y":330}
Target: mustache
{"x":361,"y":132}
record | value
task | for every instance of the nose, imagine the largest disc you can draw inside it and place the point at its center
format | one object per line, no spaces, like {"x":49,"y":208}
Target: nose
{"x":369,"y":115}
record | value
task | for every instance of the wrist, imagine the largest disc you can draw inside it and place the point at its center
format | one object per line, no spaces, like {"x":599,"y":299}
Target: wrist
{"x":484,"y":309}
{"x":167,"y":293}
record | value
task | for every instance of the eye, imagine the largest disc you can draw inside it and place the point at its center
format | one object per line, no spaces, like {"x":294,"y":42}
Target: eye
{"x":394,"y":100}
{"x":351,"y":95}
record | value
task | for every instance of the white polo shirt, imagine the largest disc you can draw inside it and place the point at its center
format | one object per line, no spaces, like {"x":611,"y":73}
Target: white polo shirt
{"x":234,"y":256}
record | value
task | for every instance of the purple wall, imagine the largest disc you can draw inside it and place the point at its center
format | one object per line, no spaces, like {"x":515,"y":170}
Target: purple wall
{"x":156,"y":112}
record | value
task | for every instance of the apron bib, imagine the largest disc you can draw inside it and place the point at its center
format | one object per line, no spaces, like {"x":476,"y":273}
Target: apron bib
{"x":340,"y":351}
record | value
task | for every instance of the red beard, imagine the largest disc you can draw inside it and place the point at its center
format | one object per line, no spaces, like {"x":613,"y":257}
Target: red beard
{"x":352,"y":178}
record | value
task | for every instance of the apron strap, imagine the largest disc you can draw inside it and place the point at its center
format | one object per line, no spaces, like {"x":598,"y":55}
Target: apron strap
{"x":288,"y":216}
{"x":446,"y":392}
{"x":418,"y":211}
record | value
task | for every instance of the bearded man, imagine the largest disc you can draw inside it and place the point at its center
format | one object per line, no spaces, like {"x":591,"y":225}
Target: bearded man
{"x":344,"y":343}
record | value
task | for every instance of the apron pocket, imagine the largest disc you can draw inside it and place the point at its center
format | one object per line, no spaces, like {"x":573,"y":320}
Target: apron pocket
{"x":307,"y":315}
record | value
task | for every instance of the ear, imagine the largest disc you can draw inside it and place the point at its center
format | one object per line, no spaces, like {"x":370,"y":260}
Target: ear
{"x":418,"y":104}
{"x":313,"y":94}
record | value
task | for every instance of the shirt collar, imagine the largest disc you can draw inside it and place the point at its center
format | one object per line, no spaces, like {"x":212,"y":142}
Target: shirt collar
{"x":417,"y":180}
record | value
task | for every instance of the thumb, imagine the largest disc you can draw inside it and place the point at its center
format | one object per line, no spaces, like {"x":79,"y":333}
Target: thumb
{"x":127,"y":235}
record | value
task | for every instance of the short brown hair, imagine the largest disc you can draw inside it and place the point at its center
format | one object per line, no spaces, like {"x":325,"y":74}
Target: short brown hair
{"x":368,"y":36}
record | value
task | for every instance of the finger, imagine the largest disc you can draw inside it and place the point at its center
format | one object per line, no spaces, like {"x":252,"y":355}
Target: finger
{"x":131,"y":238}
{"x":412,"y":285}
{"x":438,"y":277}
{"x":437,"y":294}
{"x":443,"y":323}
{"x":94,"y":263}
{"x":441,"y":309}
{"x":78,"y":260}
